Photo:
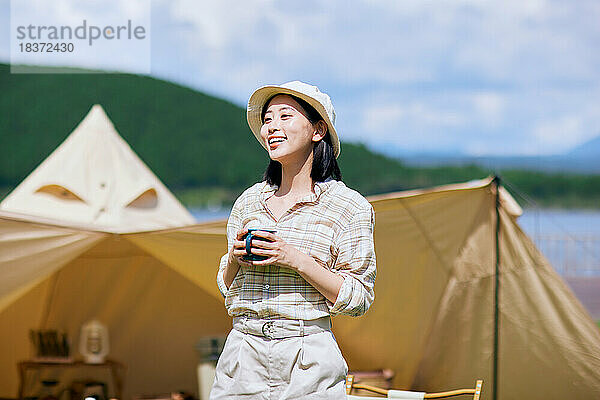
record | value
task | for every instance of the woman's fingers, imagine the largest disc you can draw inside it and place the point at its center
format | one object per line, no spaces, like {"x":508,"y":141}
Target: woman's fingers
{"x":268,"y":261}
{"x":265,"y":240}
{"x":255,"y":251}
{"x":240,"y":257}
{"x":241,"y":233}
{"x":240,"y":253}
{"x":256,"y":244}
{"x":267,"y":235}
{"x":267,"y":247}
{"x":263,"y":252}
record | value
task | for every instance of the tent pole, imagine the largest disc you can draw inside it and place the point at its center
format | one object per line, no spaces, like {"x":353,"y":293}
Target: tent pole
{"x":497,"y":183}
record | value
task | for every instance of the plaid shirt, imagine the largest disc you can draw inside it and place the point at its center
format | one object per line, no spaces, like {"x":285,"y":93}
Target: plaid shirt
{"x":334,"y":225}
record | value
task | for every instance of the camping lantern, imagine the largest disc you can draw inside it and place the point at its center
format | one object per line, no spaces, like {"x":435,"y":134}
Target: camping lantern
{"x":93,"y":342}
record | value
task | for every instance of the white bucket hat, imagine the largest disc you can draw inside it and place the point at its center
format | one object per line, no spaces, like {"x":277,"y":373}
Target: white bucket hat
{"x":311,"y":94}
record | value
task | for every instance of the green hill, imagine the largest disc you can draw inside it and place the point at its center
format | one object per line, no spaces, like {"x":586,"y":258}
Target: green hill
{"x":198,"y":145}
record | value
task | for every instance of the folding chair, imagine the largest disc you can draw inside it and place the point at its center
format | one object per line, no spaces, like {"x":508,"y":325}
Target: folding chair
{"x":406,"y":395}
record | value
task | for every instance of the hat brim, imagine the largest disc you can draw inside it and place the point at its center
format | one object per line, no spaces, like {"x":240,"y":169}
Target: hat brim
{"x":263,"y":94}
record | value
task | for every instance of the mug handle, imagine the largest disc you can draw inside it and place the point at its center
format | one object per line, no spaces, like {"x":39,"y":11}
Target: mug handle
{"x":249,"y":238}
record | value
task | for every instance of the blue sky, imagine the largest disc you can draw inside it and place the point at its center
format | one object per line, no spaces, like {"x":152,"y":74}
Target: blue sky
{"x":472,"y":76}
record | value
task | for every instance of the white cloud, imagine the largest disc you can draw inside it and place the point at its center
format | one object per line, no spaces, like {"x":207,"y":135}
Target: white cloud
{"x":413,"y":126}
{"x":563,"y":132}
{"x":490,"y":107}
{"x":385,"y":117}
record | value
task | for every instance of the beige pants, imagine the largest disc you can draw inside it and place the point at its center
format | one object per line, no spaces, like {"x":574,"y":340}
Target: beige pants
{"x":283,"y":359}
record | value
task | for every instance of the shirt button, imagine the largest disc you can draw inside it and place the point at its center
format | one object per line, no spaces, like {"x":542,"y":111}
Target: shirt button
{"x":267,"y":286}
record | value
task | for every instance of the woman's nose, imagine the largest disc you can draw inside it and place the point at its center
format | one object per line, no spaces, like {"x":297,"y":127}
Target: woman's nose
{"x":274,"y":125}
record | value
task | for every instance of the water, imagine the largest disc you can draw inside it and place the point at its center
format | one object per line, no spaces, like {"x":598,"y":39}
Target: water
{"x":209,"y":214}
{"x":569,"y":239}
{"x":548,"y":221}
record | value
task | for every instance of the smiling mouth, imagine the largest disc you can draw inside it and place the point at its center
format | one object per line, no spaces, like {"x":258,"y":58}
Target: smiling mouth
{"x":275,"y":142}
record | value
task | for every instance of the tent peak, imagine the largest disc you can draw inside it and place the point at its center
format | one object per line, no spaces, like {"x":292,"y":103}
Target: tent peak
{"x":96,"y":122}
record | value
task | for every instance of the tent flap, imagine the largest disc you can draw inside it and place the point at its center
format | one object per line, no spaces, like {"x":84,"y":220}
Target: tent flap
{"x":30,"y":253}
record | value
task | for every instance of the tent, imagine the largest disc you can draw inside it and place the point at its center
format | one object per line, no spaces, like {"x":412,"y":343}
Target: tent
{"x":64,"y":261}
{"x":148,"y":273}
{"x":433,"y":320}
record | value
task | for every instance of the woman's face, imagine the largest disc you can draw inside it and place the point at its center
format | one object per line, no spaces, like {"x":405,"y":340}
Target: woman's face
{"x":289,"y":135}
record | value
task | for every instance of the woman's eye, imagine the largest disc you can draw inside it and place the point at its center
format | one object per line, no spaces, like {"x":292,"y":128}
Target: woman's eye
{"x":267,"y":120}
{"x":286,"y":115}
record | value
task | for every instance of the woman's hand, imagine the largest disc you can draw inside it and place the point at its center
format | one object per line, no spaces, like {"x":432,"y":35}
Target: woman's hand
{"x":234,"y":260}
{"x":277,"y":250}
{"x":285,"y":255}
{"x":238,"y":249}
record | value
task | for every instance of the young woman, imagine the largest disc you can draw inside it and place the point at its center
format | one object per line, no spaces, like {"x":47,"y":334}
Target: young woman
{"x":319,"y":262}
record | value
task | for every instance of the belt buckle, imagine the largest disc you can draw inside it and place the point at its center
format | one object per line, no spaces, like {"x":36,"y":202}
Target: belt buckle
{"x":267,"y":329}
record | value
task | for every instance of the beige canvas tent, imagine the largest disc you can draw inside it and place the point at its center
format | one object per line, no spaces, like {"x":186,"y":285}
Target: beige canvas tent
{"x":63,"y":262}
{"x":154,"y":286}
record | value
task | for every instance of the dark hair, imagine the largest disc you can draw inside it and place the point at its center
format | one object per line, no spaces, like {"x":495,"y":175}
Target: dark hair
{"x":324,"y":163}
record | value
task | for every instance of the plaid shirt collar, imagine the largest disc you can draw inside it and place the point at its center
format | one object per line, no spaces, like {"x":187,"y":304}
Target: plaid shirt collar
{"x":320,"y":187}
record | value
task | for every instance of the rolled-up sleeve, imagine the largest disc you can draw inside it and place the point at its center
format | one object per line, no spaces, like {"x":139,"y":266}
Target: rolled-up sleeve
{"x":356,"y":262}
{"x":233,"y":226}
